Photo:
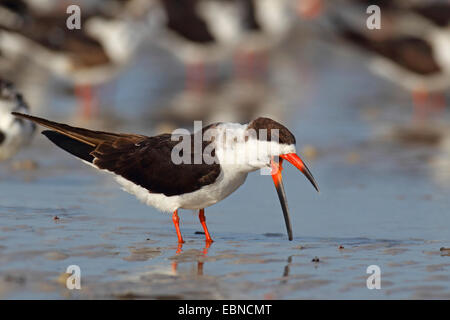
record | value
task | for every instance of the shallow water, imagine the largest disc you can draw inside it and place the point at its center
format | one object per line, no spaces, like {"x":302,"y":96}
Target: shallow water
{"x":382,"y":202}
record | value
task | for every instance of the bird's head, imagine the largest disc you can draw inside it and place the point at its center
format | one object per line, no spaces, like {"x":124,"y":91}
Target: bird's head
{"x":276,"y":143}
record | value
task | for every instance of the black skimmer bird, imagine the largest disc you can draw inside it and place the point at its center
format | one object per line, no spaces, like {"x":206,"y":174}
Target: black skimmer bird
{"x":146,"y":167}
{"x":412,"y":48}
{"x":14,"y":132}
{"x":264,"y":26}
{"x":200,"y":33}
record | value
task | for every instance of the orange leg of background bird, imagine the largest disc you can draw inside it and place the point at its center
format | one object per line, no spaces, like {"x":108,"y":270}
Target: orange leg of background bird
{"x":201,"y":216}
{"x":420,"y":104}
{"x":309,"y":9}
{"x":439,"y":102}
{"x":176,"y":222}
{"x":85,"y":94}
{"x":196,"y":79}
{"x":251,"y":66}
{"x":427,"y":104}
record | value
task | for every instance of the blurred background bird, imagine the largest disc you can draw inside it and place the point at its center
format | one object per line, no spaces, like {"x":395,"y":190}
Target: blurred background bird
{"x":169,"y":63}
{"x":411,"y":48}
{"x":14,"y":134}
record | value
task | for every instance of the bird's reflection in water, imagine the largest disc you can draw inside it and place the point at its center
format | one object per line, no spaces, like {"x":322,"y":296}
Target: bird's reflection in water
{"x":200,"y":258}
{"x":271,"y":295}
{"x":286,"y":270}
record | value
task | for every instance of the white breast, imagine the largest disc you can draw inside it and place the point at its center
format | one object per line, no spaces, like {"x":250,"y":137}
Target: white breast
{"x":225,"y":184}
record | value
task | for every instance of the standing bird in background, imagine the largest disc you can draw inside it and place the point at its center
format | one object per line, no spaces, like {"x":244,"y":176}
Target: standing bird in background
{"x":412,"y":48}
{"x":265,"y":25}
{"x":15,"y":133}
{"x":145,"y":166}
{"x":200,"y":33}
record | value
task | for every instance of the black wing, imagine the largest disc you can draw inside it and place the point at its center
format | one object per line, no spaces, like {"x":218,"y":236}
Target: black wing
{"x":145,"y":161}
{"x":148,"y":164}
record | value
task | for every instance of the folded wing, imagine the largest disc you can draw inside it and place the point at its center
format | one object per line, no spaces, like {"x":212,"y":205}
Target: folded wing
{"x":145,"y":161}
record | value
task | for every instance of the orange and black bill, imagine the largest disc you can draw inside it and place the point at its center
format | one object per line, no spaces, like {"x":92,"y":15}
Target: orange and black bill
{"x":297,"y":162}
{"x":278,"y":181}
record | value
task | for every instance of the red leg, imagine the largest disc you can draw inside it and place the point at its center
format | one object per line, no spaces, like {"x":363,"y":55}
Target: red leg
{"x":438,"y":100}
{"x":245,"y":65}
{"x":251,"y":66}
{"x":420,"y":104}
{"x":207,"y":245}
{"x":180,"y":247}
{"x":201,"y":216}
{"x":86,"y":96}
{"x":196,"y":79}
{"x":309,"y":9}
{"x":176,"y":222}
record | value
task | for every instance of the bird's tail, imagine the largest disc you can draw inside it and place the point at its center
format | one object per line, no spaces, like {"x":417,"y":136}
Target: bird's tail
{"x":77,"y":141}
{"x":89,"y":137}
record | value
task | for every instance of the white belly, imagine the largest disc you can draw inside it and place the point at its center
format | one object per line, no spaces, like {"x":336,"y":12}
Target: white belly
{"x":226,"y":183}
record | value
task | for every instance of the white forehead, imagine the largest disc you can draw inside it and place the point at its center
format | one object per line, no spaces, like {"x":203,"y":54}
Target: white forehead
{"x":231,"y":133}
{"x":233,"y":142}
